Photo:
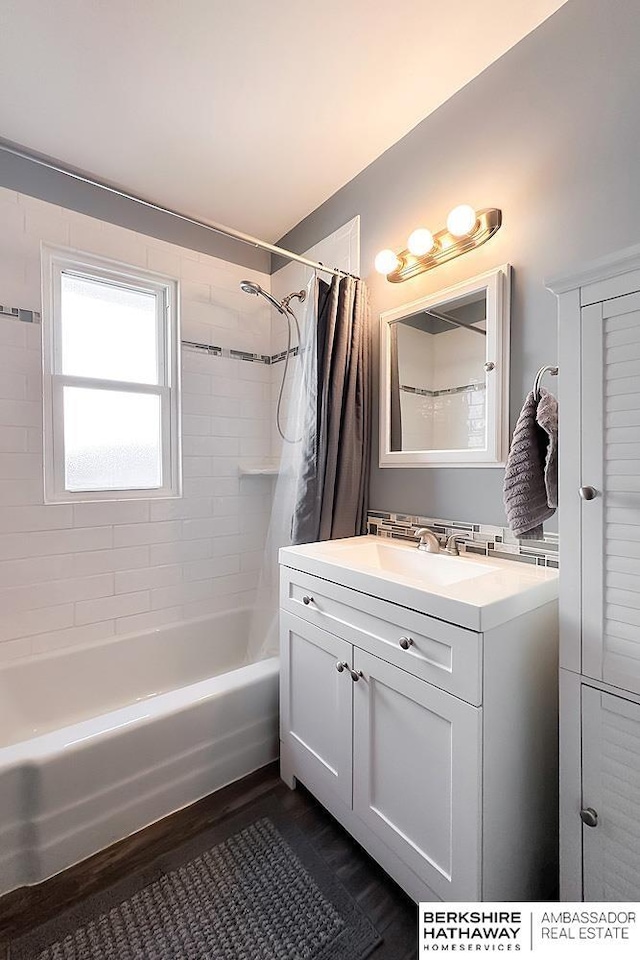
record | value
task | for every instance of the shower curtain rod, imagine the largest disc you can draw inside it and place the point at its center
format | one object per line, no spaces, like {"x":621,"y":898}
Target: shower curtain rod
{"x":218,"y":228}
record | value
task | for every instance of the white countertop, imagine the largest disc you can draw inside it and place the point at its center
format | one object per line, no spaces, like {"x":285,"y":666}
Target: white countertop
{"x":474,"y":592}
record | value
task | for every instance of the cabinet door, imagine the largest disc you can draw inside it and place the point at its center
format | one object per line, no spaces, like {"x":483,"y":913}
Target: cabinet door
{"x":417,"y":775}
{"x":611,"y":465}
{"x":611,"y":786}
{"x":316,"y":705}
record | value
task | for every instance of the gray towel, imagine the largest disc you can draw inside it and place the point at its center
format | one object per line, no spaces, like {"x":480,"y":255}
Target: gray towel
{"x":547,"y":418}
{"x":531,"y":475}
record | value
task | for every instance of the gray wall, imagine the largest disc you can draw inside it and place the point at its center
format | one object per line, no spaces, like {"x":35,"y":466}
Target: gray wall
{"x":28,"y":177}
{"x":550,"y":133}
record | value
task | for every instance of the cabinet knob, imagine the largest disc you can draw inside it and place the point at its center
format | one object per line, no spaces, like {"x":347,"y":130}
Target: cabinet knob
{"x":356,"y":674}
{"x":588,"y":493}
{"x":307,"y":600}
{"x":589,"y":817}
{"x":405,"y":642}
{"x":489,"y":366}
{"x":340,"y":666}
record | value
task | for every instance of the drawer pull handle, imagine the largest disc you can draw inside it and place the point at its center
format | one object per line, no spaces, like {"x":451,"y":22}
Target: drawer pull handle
{"x":356,"y":674}
{"x":340,"y":666}
{"x":307,"y":600}
{"x":589,"y":817}
{"x":405,"y":642}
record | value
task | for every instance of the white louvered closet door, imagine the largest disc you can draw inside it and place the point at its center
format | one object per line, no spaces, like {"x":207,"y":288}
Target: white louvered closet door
{"x":611,"y":787}
{"x":611,"y":465}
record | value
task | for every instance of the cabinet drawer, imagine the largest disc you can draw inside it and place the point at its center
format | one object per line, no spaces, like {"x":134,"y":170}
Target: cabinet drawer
{"x":448,"y":656}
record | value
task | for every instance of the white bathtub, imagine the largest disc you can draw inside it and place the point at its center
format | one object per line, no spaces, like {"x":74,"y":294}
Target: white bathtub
{"x":99,"y":742}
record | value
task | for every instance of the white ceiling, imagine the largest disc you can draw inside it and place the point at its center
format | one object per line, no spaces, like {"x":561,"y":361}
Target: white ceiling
{"x":251,"y":113}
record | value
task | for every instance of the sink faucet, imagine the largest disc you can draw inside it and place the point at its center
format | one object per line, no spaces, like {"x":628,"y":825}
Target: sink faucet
{"x":428,"y":540}
{"x":452,"y":546}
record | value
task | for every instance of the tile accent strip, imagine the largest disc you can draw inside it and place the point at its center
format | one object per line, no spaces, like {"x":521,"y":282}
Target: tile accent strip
{"x":277,"y":357}
{"x":33,"y":316}
{"x":478,"y":538}
{"x":464,"y":388}
{"x":239,"y":354}
{"x":18,"y":313}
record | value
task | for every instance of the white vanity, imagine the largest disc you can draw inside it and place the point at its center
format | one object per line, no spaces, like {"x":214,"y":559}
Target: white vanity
{"x":419,"y":705}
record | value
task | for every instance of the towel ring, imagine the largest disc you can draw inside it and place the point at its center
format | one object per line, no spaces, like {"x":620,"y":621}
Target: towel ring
{"x":539,"y":375}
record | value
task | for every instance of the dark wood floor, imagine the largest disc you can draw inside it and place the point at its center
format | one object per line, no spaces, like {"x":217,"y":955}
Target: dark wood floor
{"x":390,"y":910}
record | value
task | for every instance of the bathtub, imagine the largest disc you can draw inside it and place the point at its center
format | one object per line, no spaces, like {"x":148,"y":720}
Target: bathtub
{"x":98,"y":742}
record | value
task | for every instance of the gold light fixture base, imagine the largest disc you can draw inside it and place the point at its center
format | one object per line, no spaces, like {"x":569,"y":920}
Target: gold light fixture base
{"x":447,"y":247}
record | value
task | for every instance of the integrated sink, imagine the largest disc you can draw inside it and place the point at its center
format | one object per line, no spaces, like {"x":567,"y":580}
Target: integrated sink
{"x":474,"y":592}
{"x":406,"y":562}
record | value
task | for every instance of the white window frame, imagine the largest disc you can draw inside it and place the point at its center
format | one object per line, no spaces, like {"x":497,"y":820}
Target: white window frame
{"x":57,"y":261}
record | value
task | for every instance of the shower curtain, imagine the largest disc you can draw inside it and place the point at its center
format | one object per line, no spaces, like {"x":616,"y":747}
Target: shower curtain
{"x":333,"y":484}
{"x":322,"y":485}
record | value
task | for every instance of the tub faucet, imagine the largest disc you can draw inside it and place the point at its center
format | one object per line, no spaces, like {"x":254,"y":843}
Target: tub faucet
{"x":428,"y":540}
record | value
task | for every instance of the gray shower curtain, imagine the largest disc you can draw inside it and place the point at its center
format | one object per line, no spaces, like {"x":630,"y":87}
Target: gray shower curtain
{"x":334,"y":480}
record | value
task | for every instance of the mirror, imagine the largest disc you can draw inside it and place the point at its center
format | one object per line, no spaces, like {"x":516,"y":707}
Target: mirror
{"x":444,"y":372}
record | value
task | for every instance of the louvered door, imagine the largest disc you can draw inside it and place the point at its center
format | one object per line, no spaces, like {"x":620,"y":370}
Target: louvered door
{"x":611,"y":466}
{"x":611,"y":787}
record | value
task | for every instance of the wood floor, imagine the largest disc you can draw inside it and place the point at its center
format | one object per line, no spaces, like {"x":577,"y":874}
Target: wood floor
{"x":389,"y":909}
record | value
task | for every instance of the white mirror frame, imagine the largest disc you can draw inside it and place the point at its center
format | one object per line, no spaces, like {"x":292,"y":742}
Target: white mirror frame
{"x":497,"y":284}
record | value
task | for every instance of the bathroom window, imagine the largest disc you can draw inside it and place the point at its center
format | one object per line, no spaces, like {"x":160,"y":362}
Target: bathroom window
{"x":111,"y":373}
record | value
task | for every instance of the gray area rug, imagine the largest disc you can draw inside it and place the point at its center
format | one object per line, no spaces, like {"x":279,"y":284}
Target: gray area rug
{"x":254,"y":895}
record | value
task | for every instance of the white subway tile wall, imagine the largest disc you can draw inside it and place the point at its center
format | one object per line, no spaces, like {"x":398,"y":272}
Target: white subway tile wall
{"x":77,"y":574}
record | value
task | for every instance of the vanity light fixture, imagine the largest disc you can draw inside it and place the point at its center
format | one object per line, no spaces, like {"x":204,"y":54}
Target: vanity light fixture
{"x":466,"y":229}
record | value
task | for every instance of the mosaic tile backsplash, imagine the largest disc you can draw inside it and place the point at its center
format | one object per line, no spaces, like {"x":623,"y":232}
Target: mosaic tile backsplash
{"x":478,"y":538}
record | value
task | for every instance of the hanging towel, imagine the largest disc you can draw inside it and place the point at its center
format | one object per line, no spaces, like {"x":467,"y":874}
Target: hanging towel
{"x":547,"y":418}
{"x":531,"y":475}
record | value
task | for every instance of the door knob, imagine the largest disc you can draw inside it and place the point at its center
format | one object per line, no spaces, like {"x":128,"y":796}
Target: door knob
{"x":307,"y":600}
{"x":588,"y":493}
{"x":589,"y":817}
{"x":405,"y":642}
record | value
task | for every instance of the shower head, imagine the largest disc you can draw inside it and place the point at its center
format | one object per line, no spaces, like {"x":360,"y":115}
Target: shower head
{"x":248,"y":286}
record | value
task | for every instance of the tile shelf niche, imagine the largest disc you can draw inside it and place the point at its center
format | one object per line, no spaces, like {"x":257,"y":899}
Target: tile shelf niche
{"x":261,"y":468}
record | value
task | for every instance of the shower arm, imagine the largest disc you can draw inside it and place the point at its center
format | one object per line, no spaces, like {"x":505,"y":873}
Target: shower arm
{"x":300,"y":295}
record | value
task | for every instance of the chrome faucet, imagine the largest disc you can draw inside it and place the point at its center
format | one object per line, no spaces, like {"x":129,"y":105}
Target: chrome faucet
{"x":452,"y":546}
{"x":428,"y":540}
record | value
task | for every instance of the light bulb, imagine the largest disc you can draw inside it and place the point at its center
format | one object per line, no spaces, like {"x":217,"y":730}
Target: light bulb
{"x":461,"y":220}
{"x":386,"y":262}
{"x":420,"y":242}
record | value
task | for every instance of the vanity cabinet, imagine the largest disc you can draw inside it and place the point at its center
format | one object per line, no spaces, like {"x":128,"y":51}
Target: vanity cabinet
{"x":599,"y":488}
{"x":433,"y":744}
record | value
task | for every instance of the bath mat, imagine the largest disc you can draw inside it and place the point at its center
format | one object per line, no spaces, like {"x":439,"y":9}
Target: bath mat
{"x":258,"y":893}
